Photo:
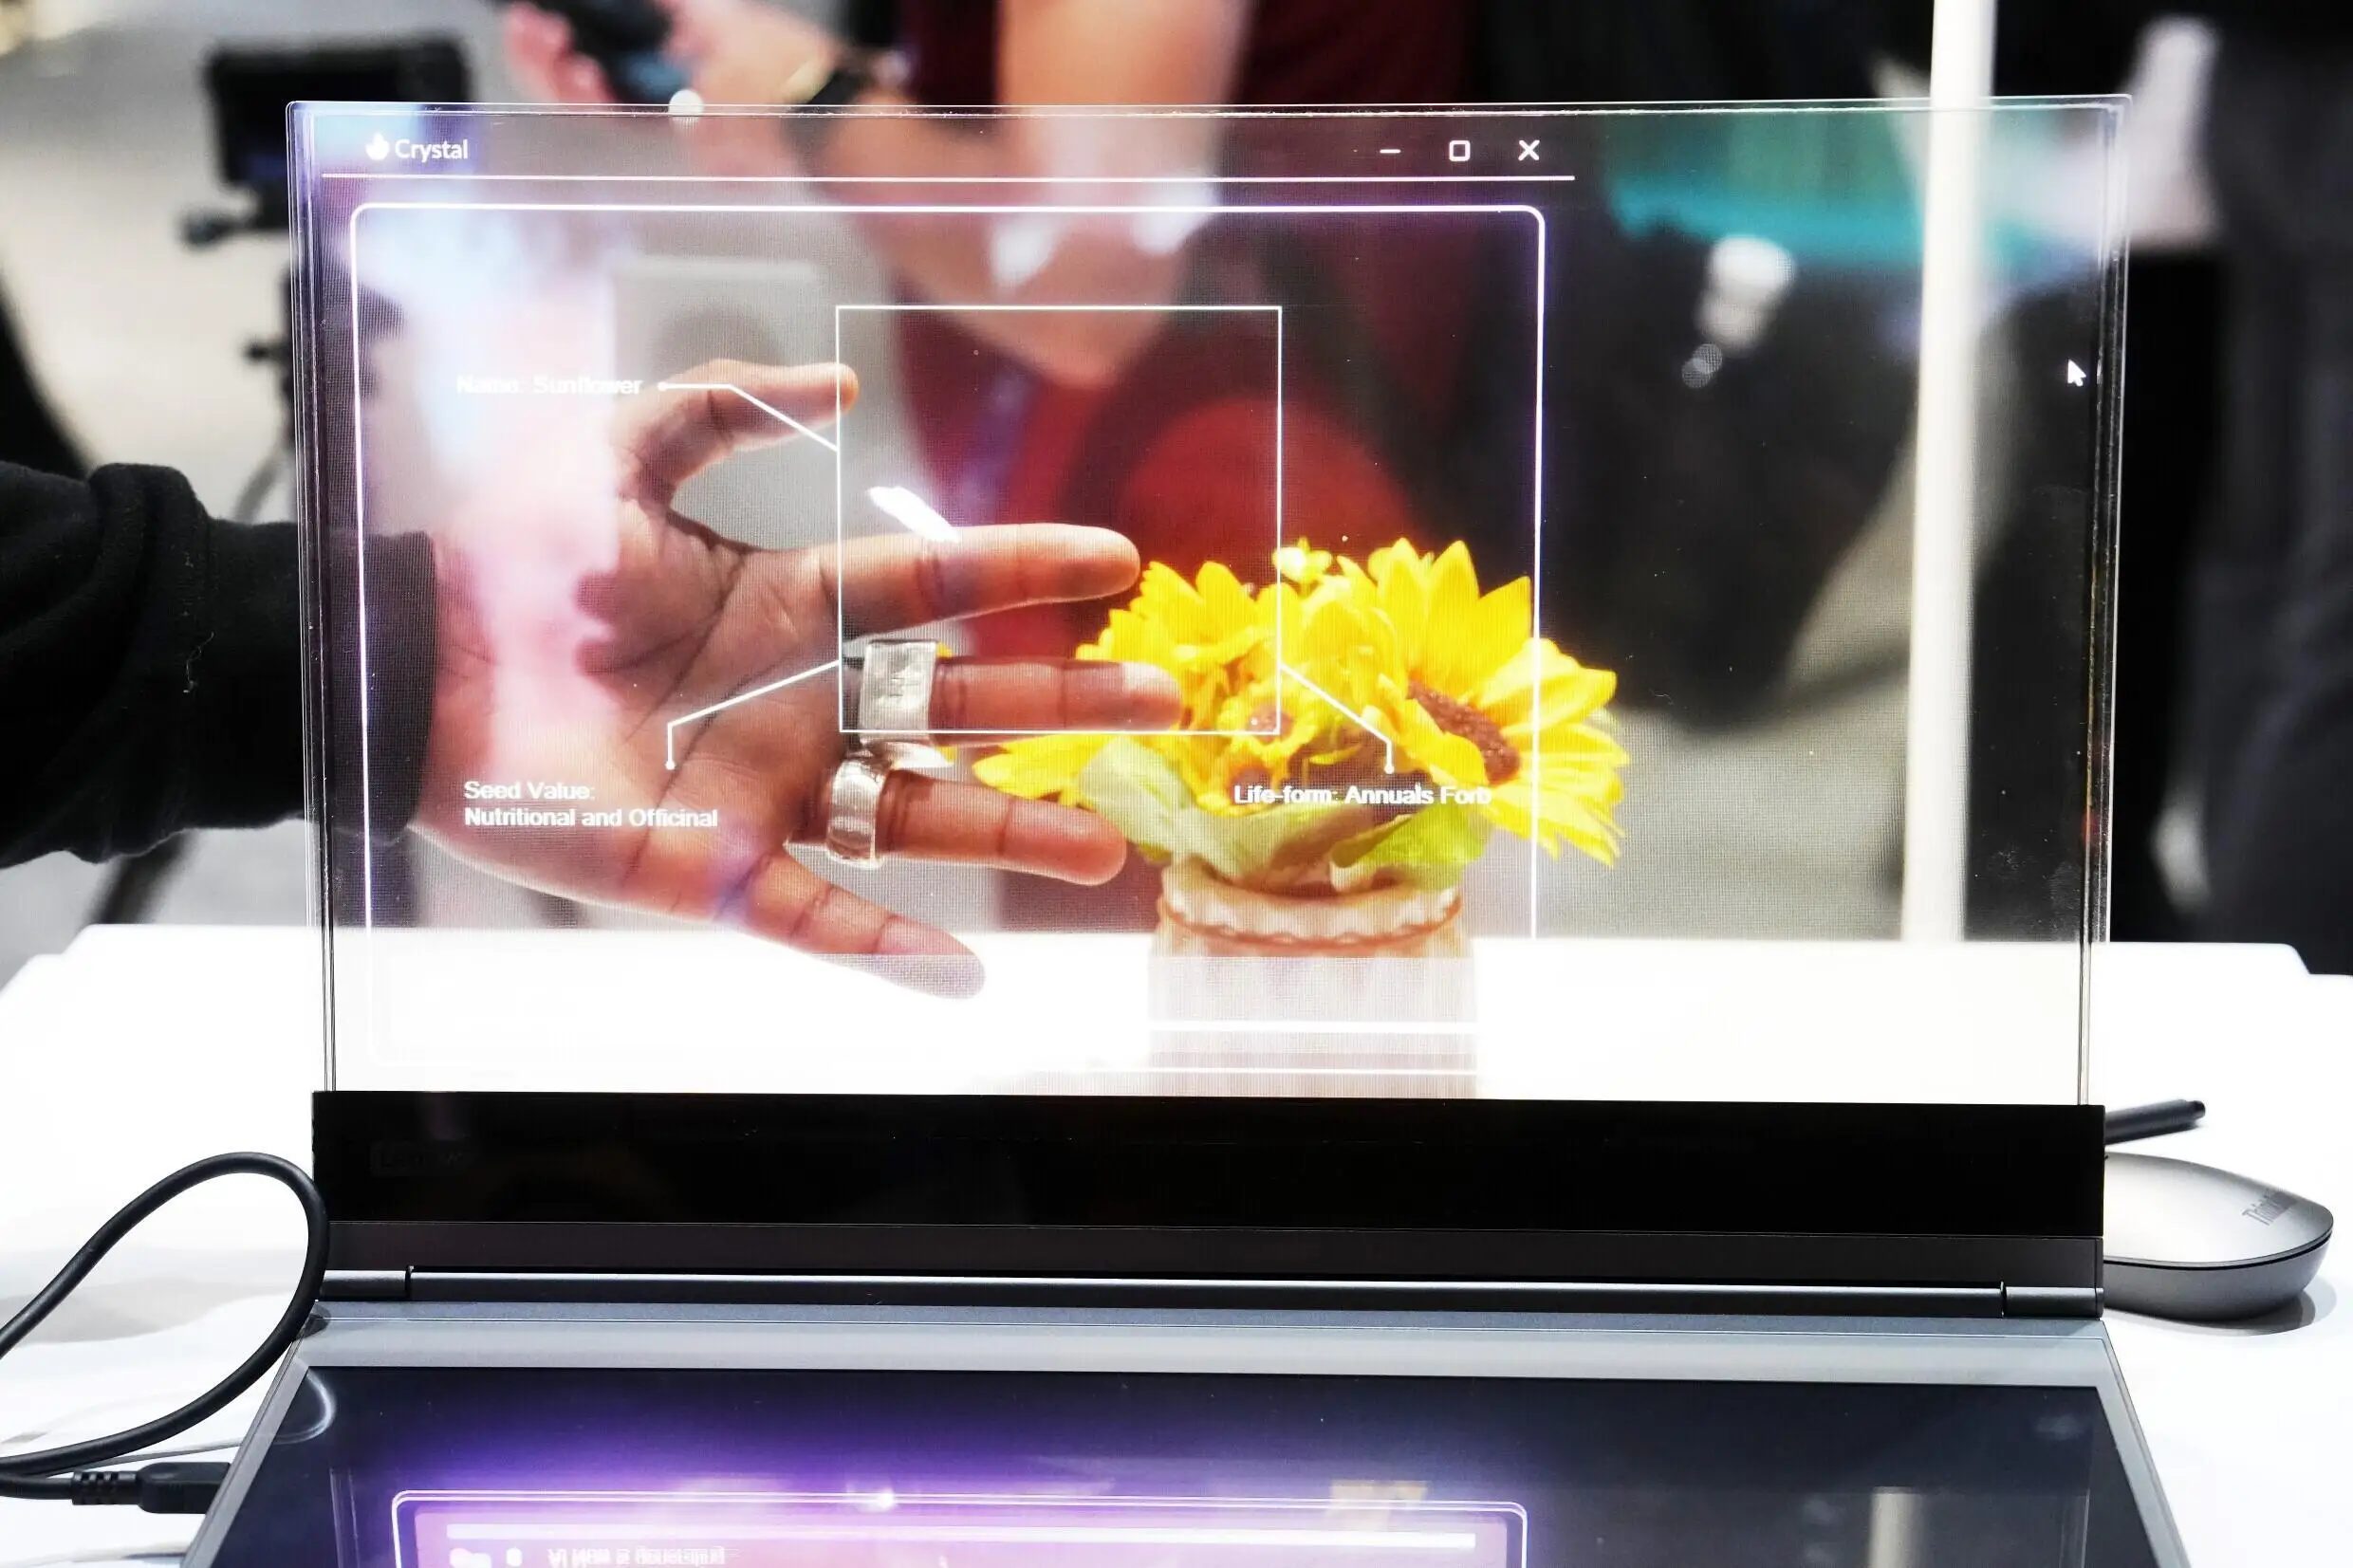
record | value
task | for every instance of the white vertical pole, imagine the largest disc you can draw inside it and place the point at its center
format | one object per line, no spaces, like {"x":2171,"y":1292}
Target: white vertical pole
{"x":1897,"y":1535}
{"x":1936,"y":863}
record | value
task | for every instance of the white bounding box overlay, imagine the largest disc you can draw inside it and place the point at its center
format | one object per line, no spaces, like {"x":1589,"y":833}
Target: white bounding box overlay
{"x":841,"y":501}
{"x":976,"y":208}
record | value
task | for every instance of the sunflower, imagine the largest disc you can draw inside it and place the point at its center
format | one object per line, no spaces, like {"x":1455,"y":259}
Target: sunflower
{"x":1474,"y":702}
{"x":1396,"y":678}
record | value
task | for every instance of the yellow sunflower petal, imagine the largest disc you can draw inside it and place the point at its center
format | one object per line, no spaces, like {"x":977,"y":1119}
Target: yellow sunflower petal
{"x":1568,"y":745}
{"x":1422,"y":745}
{"x":1226,"y":603}
{"x":1404,"y":599}
{"x":1571,"y":691}
{"x":1301,"y":562}
{"x":1516,"y":808}
{"x":1451,"y":584}
{"x":1040,"y":766}
{"x":1492,"y":633}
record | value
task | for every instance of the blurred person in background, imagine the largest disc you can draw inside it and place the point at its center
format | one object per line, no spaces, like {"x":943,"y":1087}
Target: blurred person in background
{"x":1109,"y":415}
{"x":2235,"y":604}
{"x":1114,"y":417}
{"x":1395,"y":416}
{"x":2234,"y":670}
{"x":2271,"y":660}
{"x":2171,"y":419}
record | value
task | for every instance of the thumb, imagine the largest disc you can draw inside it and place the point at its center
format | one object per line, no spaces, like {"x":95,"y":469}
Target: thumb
{"x":690,"y":422}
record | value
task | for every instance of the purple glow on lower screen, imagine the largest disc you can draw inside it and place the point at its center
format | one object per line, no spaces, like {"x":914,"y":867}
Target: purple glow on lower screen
{"x":739,"y":1530}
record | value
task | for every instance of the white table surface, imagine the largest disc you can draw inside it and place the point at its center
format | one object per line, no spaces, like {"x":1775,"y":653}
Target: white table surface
{"x":140,"y":1049}
{"x":633,"y":1010}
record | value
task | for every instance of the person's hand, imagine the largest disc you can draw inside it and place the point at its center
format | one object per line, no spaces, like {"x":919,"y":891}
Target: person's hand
{"x":541,"y":56}
{"x":552,"y":674}
{"x":744,"y":51}
{"x":734,"y":51}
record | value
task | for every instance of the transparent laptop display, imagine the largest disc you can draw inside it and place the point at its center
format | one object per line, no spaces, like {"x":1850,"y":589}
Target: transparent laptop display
{"x":1520,"y":604}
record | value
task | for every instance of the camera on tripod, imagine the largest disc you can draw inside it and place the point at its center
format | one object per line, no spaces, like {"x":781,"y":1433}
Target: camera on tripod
{"x":249,"y":88}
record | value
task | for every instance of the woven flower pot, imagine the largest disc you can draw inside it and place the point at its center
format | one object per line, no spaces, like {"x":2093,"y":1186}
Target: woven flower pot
{"x":1310,"y":994}
{"x":1205,"y":916}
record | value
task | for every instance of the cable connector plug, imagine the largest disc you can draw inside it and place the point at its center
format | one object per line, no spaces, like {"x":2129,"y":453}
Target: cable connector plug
{"x":165,"y":1488}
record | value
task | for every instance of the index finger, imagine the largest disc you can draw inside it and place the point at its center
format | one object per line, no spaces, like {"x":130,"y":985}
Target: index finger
{"x":693,"y":420}
{"x":887,"y":582}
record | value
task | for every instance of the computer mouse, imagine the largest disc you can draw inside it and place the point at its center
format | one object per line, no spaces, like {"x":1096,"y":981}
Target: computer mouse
{"x":2189,"y":1241}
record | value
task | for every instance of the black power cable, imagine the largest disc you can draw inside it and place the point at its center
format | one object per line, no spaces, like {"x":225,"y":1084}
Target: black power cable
{"x":60,"y":1473}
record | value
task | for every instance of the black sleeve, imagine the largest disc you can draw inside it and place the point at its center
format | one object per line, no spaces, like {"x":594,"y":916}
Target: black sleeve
{"x":150,"y":664}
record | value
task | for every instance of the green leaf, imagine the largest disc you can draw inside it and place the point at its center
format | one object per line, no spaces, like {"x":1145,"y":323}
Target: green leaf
{"x":1139,"y":792}
{"x":1431,"y":848}
{"x":1250,"y":846}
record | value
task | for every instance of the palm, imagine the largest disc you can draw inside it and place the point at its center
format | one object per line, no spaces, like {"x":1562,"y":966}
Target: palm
{"x":661,"y":710}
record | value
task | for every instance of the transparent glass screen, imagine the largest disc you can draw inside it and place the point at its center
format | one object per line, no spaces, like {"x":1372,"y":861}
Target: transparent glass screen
{"x":1529,"y":603}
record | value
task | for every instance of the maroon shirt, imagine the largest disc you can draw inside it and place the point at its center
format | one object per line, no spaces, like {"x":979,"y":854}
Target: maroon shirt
{"x":1297,"y":51}
{"x":1178,"y":454}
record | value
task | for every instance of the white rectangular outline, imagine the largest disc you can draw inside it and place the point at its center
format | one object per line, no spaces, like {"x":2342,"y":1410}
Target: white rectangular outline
{"x":840,"y":507}
{"x":1536,"y":755}
{"x":408,"y":1501}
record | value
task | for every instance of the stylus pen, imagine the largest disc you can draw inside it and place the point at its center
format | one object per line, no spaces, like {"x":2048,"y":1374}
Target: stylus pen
{"x":2149,"y":1122}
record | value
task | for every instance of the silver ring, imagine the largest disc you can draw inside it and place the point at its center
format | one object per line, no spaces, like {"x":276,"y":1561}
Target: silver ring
{"x":895,"y":687}
{"x":853,"y":821}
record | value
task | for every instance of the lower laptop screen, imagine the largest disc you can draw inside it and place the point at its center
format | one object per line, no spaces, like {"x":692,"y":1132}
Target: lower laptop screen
{"x":717,"y":1467}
